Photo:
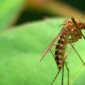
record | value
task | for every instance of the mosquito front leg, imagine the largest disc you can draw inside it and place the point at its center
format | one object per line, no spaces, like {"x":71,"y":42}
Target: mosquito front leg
{"x":72,"y":40}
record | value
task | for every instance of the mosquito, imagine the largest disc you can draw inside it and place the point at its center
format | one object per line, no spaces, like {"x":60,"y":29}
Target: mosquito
{"x":71,"y":27}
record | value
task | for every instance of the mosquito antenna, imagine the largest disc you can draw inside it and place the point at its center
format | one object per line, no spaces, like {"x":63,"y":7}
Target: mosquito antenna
{"x":55,"y":77}
{"x":75,"y":24}
{"x":62,"y":73}
{"x":77,"y":53}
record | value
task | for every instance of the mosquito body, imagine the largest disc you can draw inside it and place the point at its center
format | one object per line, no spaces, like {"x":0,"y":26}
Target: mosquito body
{"x":70,"y":30}
{"x":72,"y":27}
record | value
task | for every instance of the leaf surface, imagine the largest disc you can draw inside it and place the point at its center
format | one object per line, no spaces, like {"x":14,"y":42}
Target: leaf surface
{"x":22,"y":46}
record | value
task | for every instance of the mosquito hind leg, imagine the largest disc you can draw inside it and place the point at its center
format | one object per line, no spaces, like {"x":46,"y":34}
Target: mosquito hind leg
{"x":62,"y":73}
{"x":51,"y":50}
{"x":52,"y":53}
{"x":68,"y":72}
{"x":55,"y":77}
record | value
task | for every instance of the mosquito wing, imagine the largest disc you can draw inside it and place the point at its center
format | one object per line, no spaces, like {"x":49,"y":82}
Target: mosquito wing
{"x":49,"y":46}
{"x":75,"y":24}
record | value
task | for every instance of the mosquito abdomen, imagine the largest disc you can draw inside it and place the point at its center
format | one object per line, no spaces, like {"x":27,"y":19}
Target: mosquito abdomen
{"x":60,"y":50}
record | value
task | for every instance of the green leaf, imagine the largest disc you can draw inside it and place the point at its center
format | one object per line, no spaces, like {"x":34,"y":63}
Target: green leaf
{"x":21,"y":47}
{"x":9,"y":10}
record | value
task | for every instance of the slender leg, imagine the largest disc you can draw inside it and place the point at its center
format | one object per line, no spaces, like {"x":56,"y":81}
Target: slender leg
{"x":52,"y":53}
{"x":62,"y":73}
{"x":68,"y":72}
{"x":69,"y":52}
{"x":77,"y":53}
{"x":55,"y":77}
{"x":72,"y":40}
{"x":58,"y":71}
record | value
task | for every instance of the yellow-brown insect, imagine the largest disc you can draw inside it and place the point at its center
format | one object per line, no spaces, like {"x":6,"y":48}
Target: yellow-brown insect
{"x":72,"y":27}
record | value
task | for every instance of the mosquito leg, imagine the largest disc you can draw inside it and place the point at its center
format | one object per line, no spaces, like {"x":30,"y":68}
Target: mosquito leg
{"x":52,"y":53}
{"x":69,"y":52}
{"x":55,"y":77}
{"x":55,"y":43}
{"x":77,"y":53}
{"x":68,"y":72}
{"x":62,"y":73}
{"x":51,"y":50}
{"x":72,"y":40}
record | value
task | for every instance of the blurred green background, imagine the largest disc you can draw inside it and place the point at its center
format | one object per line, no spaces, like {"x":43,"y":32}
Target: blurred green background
{"x":26,"y":29}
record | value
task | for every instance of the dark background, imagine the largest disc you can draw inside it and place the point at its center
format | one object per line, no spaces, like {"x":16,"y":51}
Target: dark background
{"x":79,"y":4}
{"x":27,"y":16}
